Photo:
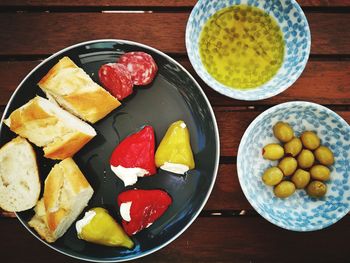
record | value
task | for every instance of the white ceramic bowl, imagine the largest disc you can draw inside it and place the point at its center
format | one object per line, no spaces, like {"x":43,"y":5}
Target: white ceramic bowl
{"x":298,"y":212}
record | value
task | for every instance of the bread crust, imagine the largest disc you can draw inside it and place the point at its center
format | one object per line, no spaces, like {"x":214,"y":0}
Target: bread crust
{"x":62,"y":186}
{"x":65,"y":62}
{"x":61,"y":149}
{"x":39,"y":222}
{"x":24,"y":115}
{"x":70,"y":85}
{"x":33,"y":122}
{"x":94,"y":105}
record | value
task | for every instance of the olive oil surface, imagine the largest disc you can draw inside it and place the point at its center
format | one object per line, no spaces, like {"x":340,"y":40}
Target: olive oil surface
{"x":241,"y":46}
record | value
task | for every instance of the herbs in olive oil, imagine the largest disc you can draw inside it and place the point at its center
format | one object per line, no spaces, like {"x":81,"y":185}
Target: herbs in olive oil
{"x":241,"y":46}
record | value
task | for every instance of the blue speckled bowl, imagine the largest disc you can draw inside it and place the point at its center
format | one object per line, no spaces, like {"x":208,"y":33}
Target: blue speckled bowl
{"x":298,"y":212}
{"x":295,"y":28}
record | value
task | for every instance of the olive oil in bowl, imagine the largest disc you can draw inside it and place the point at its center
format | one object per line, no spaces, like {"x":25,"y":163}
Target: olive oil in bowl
{"x":241,"y":46}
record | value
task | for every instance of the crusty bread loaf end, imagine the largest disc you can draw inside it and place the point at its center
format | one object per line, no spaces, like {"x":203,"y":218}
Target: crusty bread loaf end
{"x":39,"y":223}
{"x":66,"y":193}
{"x":19,"y":176}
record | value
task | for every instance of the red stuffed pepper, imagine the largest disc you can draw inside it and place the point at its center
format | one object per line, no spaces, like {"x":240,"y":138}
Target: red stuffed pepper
{"x":140,"y":208}
{"x":134,"y":156}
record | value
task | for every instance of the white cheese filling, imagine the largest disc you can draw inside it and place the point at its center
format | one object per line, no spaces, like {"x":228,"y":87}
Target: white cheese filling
{"x":175,"y":168}
{"x":89,"y":215}
{"x":128,"y":175}
{"x":183,"y":125}
{"x":125,"y":211}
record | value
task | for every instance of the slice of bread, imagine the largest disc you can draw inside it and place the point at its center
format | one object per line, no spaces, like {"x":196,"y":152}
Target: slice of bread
{"x":47,"y":125}
{"x":76,"y":92}
{"x":39,"y":222}
{"x":66,"y":194}
{"x":19,"y":176}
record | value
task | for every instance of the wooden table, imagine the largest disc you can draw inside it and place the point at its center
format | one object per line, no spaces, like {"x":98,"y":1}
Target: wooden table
{"x":228,"y":229}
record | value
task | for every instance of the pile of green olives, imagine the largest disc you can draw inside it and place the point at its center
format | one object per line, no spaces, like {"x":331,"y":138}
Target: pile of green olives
{"x":303,"y":163}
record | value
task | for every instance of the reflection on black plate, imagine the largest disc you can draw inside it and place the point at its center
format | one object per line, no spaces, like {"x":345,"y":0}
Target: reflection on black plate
{"x":173,"y":95}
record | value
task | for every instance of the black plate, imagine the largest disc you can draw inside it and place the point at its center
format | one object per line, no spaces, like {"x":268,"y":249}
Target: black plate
{"x":173,"y":95}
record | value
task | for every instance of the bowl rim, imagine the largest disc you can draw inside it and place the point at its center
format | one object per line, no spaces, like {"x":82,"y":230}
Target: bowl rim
{"x":240,"y":95}
{"x":217,"y":148}
{"x":240,"y":175}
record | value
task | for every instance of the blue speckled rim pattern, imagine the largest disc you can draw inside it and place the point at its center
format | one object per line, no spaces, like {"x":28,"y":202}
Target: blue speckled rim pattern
{"x":295,"y":28}
{"x":298,"y":212}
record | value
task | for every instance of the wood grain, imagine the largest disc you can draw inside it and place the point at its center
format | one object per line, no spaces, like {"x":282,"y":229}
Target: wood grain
{"x":232,"y":123}
{"x":6,"y":214}
{"x":248,"y":238}
{"x":164,"y":31}
{"x":101,"y":3}
{"x":330,"y":80}
{"x":141,"y":3}
{"x":227,"y":193}
{"x":232,"y":239}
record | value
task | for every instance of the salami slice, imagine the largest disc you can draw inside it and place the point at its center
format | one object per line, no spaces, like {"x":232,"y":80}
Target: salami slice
{"x":116,"y":79}
{"x":141,"y":66}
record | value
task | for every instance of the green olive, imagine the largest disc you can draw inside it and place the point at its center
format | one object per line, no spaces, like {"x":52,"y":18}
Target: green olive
{"x":283,"y":131}
{"x":324,"y":155}
{"x":316,"y":189}
{"x":284,"y":189}
{"x":301,"y":178}
{"x":272,"y":176}
{"x":288,"y":165}
{"x":320,"y":172}
{"x":306,"y":159}
{"x":273,"y":151}
{"x":293,"y":147}
{"x":310,"y":140}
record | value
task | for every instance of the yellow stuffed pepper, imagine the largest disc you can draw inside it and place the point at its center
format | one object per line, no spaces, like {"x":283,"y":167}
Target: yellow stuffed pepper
{"x":99,"y":227}
{"x":174,"y":153}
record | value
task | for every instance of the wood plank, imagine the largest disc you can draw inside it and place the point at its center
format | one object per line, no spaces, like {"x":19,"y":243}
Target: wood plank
{"x":6,"y":214}
{"x":232,"y":125}
{"x":101,"y":3}
{"x":17,"y":71}
{"x":327,"y":3}
{"x":253,"y":239}
{"x":227,"y":193}
{"x":329,"y":78}
{"x":141,"y":3}
{"x":164,"y":31}
{"x":233,"y":122}
{"x":213,"y":239}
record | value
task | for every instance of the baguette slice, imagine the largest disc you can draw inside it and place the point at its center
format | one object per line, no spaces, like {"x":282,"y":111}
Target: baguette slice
{"x":19,"y":177}
{"x":76,"y":92}
{"x":47,"y":125}
{"x":66,"y":194}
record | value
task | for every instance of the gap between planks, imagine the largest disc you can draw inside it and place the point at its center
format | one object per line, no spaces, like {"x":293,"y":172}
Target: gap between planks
{"x":176,"y":56}
{"x":204,"y":213}
{"x":140,"y":9}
